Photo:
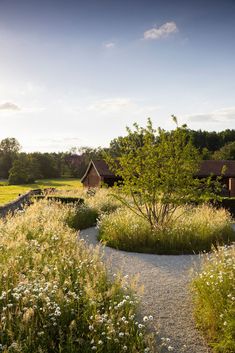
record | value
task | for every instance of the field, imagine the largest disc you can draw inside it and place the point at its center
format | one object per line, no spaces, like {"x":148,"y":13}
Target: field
{"x":9,"y":193}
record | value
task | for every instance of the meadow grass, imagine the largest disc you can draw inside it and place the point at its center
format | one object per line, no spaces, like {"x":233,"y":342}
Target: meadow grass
{"x":55,"y":295}
{"x":196,"y":230}
{"x":214,"y":298}
{"x":100,"y":200}
{"x":9,"y":193}
{"x":82,"y":217}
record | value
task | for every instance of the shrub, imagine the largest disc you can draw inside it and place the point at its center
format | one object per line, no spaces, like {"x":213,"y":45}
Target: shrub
{"x":228,"y":203}
{"x":82,"y":217}
{"x":24,"y":170}
{"x":103,"y":201}
{"x":99,"y":199}
{"x":65,"y":199}
{"x":214,"y":297}
{"x":55,"y":295}
{"x":197,"y":230}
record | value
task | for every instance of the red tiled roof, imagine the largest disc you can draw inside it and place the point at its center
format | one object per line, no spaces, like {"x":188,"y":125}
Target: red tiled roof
{"x":215,"y":167}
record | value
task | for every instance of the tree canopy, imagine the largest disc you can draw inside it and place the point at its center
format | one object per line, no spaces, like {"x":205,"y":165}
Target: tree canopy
{"x":158,"y":172}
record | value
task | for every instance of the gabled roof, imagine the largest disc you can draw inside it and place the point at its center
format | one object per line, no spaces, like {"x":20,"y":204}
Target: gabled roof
{"x":207,"y":168}
{"x":215,"y":167}
{"x":101,"y":168}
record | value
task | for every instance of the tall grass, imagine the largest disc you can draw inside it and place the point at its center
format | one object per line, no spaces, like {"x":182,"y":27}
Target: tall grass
{"x":196,"y":230}
{"x":214,"y":296}
{"x":55,"y":295}
{"x":96,"y":203}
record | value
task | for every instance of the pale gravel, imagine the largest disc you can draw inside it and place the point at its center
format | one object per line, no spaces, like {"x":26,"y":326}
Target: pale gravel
{"x":167,"y":295}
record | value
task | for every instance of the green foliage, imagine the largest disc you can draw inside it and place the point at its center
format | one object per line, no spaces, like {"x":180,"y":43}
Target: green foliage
{"x":83,"y":217}
{"x":55,"y":295}
{"x":157,"y":170}
{"x":214,"y":297}
{"x":79,"y":158}
{"x":206,"y":141}
{"x":24,"y":170}
{"x":64,"y":199}
{"x":103,"y":200}
{"x":226,"y":152}
{"x":9,"y":149}
{"x":196,"y":230}
{"x":226,"y":202}
{"x":47,"y":165}
{"x":100,"y":199}
{"x":211,"y":140}
{"x":11,"y":192}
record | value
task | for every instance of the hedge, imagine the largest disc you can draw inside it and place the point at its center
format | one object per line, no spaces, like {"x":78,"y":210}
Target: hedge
{"x":62,"y":199}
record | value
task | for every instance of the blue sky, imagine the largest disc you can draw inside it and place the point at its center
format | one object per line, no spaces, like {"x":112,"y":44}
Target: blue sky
{"x":76,"y":73}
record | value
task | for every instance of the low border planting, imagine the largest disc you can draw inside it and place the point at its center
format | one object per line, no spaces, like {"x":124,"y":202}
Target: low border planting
{"x":214,"y":298}
{"x":196,"y":230}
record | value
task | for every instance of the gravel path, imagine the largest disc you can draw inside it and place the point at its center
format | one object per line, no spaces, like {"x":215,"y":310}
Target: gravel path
{"x":166,"y":293}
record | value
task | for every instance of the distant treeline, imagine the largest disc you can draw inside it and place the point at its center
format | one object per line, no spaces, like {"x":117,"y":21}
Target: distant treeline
{"x":19,"y":167}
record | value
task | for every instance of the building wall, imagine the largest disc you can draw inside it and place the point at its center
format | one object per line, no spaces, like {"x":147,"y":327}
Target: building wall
{"x":92,"y":179}
{"x":232,"y":187}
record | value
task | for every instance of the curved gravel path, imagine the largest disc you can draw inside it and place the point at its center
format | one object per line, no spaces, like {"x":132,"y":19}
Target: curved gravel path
{"x":166,"y":293}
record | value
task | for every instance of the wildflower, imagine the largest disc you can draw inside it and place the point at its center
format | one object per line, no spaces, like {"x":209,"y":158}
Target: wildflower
{"x":145,"y":318}
{"x":170,"y":348}
{"x":124,"y":348}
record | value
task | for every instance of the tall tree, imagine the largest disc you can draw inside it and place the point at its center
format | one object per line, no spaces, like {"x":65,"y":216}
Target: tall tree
{"x":25,"y":170}
{"x":157,"y":171}
{"x":9,"y":149}
{"x":226,"y":152}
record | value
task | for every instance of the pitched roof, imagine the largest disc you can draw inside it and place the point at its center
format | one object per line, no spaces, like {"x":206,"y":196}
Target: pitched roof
{"x":101,"y":168}
{"x":207,"y":168}
{"x":215,"y":167}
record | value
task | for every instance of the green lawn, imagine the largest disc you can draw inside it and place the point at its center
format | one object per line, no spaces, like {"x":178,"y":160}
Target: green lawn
{"x":11,"y":192}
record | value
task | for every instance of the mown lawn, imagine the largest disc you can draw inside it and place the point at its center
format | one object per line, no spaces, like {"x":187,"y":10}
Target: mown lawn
{"x":11,"y":192}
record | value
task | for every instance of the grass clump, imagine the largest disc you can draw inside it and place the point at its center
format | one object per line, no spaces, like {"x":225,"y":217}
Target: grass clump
{"x":101,"y":199}
{"x":55,"y":295}
{"x":82,"y":217}
{"x":214,"y":297}
{"x":197,"y":229}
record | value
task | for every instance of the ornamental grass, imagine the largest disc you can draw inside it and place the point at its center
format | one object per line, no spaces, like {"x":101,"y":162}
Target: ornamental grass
{"x":191,"y":230}
{"x":55,"y":295}
{"x":214,"y":298}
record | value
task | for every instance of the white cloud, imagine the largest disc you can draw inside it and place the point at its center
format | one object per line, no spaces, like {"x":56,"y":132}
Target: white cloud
{"x":219,"y":115}
{"x":111,"y":105}
{"x":9,"y":106}
{"x":161,"y":32}
{"x":109,"y":45}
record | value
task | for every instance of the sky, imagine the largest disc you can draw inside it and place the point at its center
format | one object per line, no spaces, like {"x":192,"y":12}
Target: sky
{"x":77,"y":72}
